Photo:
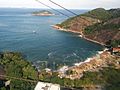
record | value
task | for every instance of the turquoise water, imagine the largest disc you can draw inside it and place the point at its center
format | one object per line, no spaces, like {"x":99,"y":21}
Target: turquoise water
{"x":47,"y":44}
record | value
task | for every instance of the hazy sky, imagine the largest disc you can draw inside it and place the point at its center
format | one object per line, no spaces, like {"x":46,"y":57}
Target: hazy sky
{"x":79,"y":4}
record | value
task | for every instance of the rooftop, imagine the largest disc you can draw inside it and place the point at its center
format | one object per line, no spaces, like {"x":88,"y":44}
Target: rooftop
{"x":47,"y":86}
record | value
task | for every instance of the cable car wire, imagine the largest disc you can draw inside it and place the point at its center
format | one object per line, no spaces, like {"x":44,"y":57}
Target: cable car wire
{"x":63,"y":7}
{"x":52,"y":8}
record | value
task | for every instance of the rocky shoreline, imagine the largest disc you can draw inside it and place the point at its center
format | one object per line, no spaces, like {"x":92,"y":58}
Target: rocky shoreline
{"x":77,"y":32}
{"x":93,"y":63}
{"x":90,"y":64}
{"x":81,"y":64}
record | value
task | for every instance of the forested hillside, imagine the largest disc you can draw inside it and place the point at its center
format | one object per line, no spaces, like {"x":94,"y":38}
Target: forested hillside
{"x":99,"y":24}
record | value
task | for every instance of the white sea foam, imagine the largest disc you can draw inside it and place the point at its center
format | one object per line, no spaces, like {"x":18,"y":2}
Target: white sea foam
{"x":63,"y":69}
{"x":71,"y":55}
{"x":78,"y":64}
{"x":51,"y":54}
{"x":74,"y":54}
{"x":100,"y":52}
{"x":89,"y":59}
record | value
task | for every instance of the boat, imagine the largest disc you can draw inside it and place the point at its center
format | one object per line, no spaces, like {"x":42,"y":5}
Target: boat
{"x":34,"y":31}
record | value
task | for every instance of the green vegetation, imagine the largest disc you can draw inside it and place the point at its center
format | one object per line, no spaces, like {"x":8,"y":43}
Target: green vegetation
{"x":101,"y":26}
{"x":108,"y":77}
{"x":66,"y":24}
{"x":115,"y":43}
{"x":16,"y":66}
{"x":42,"y":12}
{"x":102,"y":14}
{"x":105,"y":31}
{"x":98,"y":13}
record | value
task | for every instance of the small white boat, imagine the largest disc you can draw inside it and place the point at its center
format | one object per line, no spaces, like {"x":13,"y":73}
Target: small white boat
{"x":34,"y":31}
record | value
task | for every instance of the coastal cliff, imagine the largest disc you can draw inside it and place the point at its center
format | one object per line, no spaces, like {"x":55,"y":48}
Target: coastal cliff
{"x":98,"y":25}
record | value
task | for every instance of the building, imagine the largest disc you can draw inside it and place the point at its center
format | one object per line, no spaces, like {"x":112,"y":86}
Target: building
{"x":47,"y":86}
{"x":116,"y":49}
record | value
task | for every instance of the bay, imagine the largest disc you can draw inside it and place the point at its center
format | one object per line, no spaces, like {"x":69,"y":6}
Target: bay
{"x":38,"y":41}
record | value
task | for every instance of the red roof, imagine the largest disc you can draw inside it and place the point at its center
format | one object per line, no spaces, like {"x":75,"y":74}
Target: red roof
{"x":116,"y":49}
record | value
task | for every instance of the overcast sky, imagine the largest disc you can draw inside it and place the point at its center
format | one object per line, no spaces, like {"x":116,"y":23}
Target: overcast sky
{"x":70,"y":4}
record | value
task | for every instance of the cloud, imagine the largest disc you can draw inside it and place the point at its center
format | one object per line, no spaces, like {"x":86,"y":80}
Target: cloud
{"x":88,"y":4}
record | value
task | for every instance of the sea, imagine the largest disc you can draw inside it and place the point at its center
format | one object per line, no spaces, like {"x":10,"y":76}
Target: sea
{"x":39,"y":42}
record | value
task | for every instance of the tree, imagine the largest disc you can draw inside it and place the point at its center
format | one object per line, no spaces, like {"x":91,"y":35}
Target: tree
{"x":29,"y":72}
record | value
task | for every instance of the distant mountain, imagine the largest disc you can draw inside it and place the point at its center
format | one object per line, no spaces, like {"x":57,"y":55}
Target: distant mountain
{"x":43,"y":13}
{"x":99,"y":24}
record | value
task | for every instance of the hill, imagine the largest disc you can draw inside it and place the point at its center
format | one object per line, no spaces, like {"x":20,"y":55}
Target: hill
{"x":99,"y":24}
{"x":99,"y":13}
{"x":103,"y":32}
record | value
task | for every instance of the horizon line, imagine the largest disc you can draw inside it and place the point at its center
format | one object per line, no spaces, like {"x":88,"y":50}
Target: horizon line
{"x":45,"y":8}
{"x":60,"y":8}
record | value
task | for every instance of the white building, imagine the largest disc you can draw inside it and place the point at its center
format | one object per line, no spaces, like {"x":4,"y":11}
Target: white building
{"x":47,"y":86}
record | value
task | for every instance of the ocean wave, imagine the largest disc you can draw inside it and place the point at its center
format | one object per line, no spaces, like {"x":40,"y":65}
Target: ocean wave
{"x":71,"y":55}
{"x":51,"y":54}
{"x":89,"y":59}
